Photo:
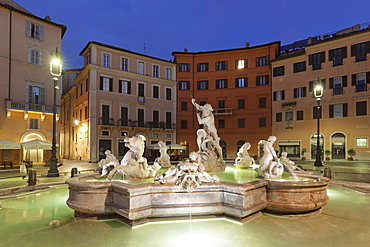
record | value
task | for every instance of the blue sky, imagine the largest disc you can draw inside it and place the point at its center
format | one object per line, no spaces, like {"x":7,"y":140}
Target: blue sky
{"x":165,"y":26}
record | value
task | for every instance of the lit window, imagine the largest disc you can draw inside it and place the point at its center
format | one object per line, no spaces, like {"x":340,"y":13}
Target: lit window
{"x":362,"y":142}
{"x":242,"y":63}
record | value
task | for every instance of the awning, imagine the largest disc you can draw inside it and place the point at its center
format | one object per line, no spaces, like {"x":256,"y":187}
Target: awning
{"x":9,"y":145}
{"x":37,"y":144}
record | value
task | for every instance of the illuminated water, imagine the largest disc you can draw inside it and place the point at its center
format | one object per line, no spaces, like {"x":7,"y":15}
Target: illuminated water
{"x":24,"y":221}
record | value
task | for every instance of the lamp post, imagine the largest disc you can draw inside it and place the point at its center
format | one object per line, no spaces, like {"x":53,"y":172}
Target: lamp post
{"x":55,"y":70}
{"x":318,"y":92}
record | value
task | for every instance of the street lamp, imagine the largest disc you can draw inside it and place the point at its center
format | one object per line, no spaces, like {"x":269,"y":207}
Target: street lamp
{"x":56,"y":71}
{"x":318,"y":92}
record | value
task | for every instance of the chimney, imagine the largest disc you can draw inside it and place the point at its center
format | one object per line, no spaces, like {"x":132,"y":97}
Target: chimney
{"x":247,"y":44}
{"x":185,"y":50}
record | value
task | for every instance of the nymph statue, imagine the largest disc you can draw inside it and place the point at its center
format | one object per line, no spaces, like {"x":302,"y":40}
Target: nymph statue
{"x":243,"y":160}
{"x":109,"y":161}
{"x":270,"y":166}
{"x":164,"y":159}
{"x":208,"y":140}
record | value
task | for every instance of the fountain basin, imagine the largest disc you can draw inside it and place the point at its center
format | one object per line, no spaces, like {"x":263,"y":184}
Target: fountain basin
{"x":297,"y":197}
{"x":141,"y":203}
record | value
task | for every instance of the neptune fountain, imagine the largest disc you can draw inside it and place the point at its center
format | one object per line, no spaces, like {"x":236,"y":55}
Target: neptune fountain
{"x":145,"y":195}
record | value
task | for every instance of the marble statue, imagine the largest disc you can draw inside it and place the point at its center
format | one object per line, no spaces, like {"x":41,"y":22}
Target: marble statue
{"x":243,"y":160}
{"x":287,"y":162}
{"x":270,"y":166}
{"x":208,"y":140}
{"x":110,"y":160}
{"x":164,"y":159}
{"x":189,"y":174}
{"x":133,"y":164}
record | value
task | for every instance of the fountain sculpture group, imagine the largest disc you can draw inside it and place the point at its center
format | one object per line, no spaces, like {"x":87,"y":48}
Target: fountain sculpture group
{"x":169,"y":196}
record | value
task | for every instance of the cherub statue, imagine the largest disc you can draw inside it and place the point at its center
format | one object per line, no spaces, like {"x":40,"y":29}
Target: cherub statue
{"x":110,"y":160}
{"x":287,"y":162}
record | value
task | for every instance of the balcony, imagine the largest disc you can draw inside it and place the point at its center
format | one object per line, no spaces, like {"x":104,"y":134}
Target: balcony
{"x":361,"y":88}
{"x":338,"y":91}
{"x":106,"y":122}
{"x":141,"y":99}
{"x":29,"y":107}
{"x":223,"y":111}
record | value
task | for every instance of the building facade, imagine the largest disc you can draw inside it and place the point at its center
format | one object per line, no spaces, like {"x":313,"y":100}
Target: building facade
{"x":27,"y":89}
{"x":338,"y":61}
{"x":237,"y":83}
{"x":118,"y":93}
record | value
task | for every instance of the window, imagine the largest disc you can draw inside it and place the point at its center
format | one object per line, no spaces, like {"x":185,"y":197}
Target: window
{"x":316,"y":112}
{"x":261,"y":61}
{"x":202,"y":67}
{"x":359,"y":51}
{"x":35,"y":95}
{"x":168,"y":135}
{"x":124,"y":86}
{"x":316,"y":60}
{"x":300,"y":92}
{"x":300,"y":115}
{"x":106,"y":84}
{"x":168,"y":94}
{"x":202,"y":102}
{"x":221,"y":65}
{"x":361,"y":108}
{"x":33,"y":123}
{"x":184,"y":85}
{"x":124,"y":116}
{"x":124,"y":64}
{"x":156,"y":117}
{"x":155,"y":71}
{"x":141,"y":92}
{"x":278,"y":71}
{"x":168,"y":74}
{"x":221,"y":123}
{"x":241,"y":123}
{"x":105,"y":133}
{"x":155,"y":135}
{"x":241,"y":63}
{"x":337,"y":84}
{"x":87,"y":84}
{"x":34,"y":56}
{"x":168,"y":119}
{"x":362,"y":142}
{"x":299,"y":67}
{"x":262,"y":80}
{"x":155,"y":92}
{"x":34,"y":31}
{"x":105,"y":114}
{"x":86,"y":113}
{"x":184,"y":124}
{"x":222,"y":83}
{"x":184,"y":105}
{"x":279,"y":117}
{"x":338,"y":110}
{"x":106,"y":60}
{"x":337,"y":55}
{"x":202,"y":85}
{"x":360,"y":80}
{"x":262,"y":122}
{"x":241,"y":103}
{"x":140,"y":118}
{"x":262,"y":102}
{"x":241,"y":82}
{"x":221,"y":103}
{"x":140,"y":68}
{"x":279,"y":95}
{"x":184,"y":67}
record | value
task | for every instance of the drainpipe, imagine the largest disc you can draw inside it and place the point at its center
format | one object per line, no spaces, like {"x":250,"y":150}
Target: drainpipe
{"x":10,"y":53}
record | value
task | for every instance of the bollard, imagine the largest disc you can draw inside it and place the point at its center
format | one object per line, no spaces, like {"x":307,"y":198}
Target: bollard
{"x":74,"y":171}
{"x":327,"y":172}
{"x":31,"y":177}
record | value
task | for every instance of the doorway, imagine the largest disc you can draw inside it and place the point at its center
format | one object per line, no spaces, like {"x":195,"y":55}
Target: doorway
{"x":103,"y":146}
{"x":338,"y":146}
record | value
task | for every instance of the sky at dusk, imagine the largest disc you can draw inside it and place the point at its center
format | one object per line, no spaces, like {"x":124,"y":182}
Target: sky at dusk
{"x":159,"y":27}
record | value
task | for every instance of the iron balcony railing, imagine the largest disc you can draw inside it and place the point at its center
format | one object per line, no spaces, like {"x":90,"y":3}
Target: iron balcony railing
{"x":13,"y":105}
